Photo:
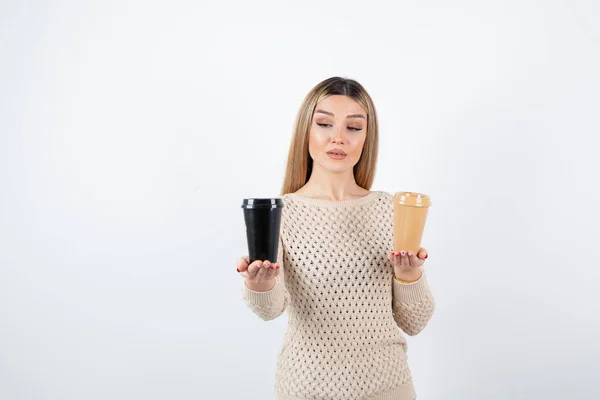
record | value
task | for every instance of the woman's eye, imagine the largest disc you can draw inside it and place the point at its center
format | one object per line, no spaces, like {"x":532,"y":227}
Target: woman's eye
{"x":350,"y":128}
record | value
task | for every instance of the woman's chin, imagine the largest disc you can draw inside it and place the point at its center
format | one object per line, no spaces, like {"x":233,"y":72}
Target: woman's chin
{"x":336,"y":166}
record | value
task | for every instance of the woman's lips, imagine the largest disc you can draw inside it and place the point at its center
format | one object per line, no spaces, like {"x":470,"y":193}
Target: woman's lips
{"x":336,"y":156}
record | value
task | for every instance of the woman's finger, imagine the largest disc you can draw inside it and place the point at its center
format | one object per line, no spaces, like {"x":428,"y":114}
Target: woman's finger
{"x":413,"y":260}
{"x":272,"y":272}
{"x":264,"y":270}
{"x":404,"y":259}
{"x":242,"y":263}
{"x":396,"y":258}
{"x":390,"y":256}
{"x":254,"y":268}
{"x":423,"y":254}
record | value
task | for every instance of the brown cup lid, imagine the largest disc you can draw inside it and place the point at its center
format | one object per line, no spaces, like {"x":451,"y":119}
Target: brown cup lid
{"x":412,"y":199}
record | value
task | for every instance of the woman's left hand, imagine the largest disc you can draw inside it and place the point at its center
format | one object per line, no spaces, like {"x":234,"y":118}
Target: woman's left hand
{"x":407,"y":265}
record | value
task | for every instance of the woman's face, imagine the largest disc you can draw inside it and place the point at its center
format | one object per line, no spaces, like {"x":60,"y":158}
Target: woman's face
{"x":340,"y":123}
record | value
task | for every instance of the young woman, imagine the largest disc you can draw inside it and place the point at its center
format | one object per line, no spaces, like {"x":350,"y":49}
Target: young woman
{"x":348,"y":297}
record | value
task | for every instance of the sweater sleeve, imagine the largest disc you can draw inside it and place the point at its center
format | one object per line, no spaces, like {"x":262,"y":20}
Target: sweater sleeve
{"x":272,"y":303}
{"x":412,"y":305}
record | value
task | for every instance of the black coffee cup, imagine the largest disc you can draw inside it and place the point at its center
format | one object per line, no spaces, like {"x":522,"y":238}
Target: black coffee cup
{"x":263,"y":219}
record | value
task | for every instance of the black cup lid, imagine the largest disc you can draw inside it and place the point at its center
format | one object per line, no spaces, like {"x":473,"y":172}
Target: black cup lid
{"x":263,"y":203}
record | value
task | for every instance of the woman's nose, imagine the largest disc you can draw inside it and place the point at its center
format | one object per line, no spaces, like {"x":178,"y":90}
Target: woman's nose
{"x":337,"y":135}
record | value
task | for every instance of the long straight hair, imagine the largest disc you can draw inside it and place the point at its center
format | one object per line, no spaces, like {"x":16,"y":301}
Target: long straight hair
{"x":299,"y":162}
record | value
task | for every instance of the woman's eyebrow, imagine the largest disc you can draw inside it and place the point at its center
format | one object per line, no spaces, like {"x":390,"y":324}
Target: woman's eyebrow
{"x":333,"y":115}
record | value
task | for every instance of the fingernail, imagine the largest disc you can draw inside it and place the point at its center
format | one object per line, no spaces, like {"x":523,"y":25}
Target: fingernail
{"x":410,"y":254}
{"x":238,"y":270}
{"x":426,"y":255}
{"x":277,"y":265}
{"x":402,"y":253}
{"x":272,"y":267}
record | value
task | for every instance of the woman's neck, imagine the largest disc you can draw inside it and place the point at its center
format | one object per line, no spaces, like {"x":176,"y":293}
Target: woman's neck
{"x":332,"y":187}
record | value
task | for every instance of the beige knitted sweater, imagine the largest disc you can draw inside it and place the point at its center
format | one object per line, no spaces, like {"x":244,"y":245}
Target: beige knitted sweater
{"x":345,"y":310}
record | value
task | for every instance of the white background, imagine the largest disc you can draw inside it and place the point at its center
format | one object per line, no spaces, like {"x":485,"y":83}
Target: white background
{"x":131,"y":131}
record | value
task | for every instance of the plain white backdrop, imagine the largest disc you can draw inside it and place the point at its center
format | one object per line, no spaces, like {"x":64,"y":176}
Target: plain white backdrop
{"x":130,"y":132}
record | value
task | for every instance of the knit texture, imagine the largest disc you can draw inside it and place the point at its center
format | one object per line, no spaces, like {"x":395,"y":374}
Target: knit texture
{"x":346,"y":312}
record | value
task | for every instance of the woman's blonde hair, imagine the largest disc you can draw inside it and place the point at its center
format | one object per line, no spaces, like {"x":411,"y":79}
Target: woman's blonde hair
{"x":299,"y":163}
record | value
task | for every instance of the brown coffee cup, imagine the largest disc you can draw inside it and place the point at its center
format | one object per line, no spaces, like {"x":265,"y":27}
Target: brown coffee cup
{"x":410,"y":214}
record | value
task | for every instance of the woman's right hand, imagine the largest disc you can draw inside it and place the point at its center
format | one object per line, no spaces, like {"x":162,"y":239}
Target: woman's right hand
{"x":260,"y":275}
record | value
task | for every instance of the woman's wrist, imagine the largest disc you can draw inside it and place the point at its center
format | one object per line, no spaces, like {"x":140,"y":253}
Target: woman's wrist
{"x":410,"y":276}
{"x":260,"y":287}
